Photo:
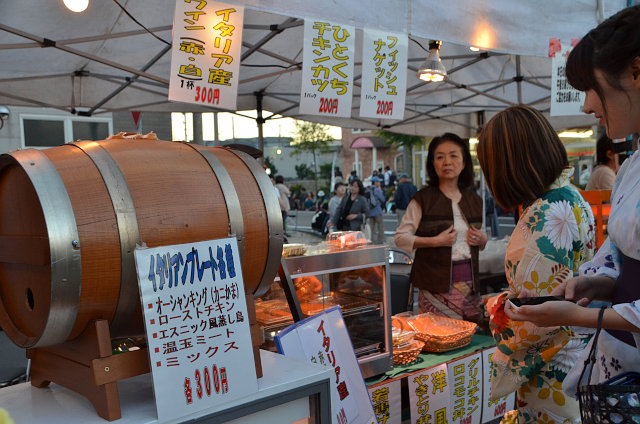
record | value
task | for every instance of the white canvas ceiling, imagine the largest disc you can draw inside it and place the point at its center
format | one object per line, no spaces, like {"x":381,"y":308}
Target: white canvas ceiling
{"x":102,"y":61}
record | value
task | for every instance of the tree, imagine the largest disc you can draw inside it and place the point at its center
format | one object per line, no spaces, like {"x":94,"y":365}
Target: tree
{"x":303,"y":172}
{"x":314,"y":138}
{"x":407,"y":142}
{"x":269,"y":164}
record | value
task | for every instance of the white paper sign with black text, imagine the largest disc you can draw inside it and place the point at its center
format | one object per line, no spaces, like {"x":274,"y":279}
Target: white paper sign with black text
{"x":197,"y":326}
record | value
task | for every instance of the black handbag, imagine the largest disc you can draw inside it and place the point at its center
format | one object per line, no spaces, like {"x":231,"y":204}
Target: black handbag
{"x":616,"y":400}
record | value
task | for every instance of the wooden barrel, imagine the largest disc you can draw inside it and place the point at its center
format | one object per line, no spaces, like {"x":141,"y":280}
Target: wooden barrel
{"x":70,"y":218}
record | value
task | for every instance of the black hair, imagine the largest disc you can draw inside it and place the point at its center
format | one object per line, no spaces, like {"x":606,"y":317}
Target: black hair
{"x":611,"y":47}
{"x":279,"y":179}
{"x":465,"y":179}
{"x":360,"y":186}
{"x":603,"y":145}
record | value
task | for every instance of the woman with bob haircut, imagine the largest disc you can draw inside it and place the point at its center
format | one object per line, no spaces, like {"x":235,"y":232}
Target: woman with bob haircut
{"x":526,"y":164}
{"x":605,"y":64}
{"x":442,"y":224}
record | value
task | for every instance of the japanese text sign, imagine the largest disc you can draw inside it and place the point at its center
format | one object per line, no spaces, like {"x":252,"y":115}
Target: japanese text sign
{"x":465,"y":384}
{"x":197,"y":326}
{"x":565,"y":100}
{"x":387,"y":402}
{"x":327,"y":68}
{"x":384,"y":74}
{"x":493,"y":409}
{"x":429,"y":395}
{"x":205,"y":57}
{"x":323,"y":339}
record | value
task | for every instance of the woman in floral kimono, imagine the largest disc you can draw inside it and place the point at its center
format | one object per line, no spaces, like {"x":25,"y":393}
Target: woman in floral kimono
{"x":526,"y":164}
{"x":606,"y":65}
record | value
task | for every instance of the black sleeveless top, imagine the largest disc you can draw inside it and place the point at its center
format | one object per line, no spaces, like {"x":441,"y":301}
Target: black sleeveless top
{"x":626,"y":290}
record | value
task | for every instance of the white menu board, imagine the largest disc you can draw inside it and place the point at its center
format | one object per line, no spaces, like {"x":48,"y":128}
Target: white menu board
{"x":384,"y":74}
{"x":327,"y":68}
{"x":205,"y":56}
{"x":197,"y":326}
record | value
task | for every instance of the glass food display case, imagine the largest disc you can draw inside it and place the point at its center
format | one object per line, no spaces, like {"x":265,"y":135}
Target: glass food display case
{"x":356,"y":279}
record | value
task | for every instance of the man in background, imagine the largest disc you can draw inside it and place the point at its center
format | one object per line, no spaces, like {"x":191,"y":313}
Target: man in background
{"x":404,"y":193}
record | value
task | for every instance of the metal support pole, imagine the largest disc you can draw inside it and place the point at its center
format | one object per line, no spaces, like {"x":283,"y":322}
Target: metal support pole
{"x":260,"y":121}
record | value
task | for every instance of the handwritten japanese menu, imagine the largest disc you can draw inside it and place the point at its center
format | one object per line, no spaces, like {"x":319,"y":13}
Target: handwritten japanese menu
{"x":493,"y":409}
{"x":327,"y":68}
{"x":197,"y":326}
{"x":465,"y":384}
{"x":205,"y":57}
{"x":384,"y":74}
{"x":323,"y":339}
{"x":387,"y":402}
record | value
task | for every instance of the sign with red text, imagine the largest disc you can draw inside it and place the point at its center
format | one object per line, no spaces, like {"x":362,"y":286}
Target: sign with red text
{"x":429,"y":395}
{"x":387,"y":402}
{"x":493,"y":409}
{"x":323,"y":339}
{"x":384,"y":74}
{"x":465,"y":384}
{"x":197,"y":326}
{"x":327,"y":68}
{"x":205,"y":56}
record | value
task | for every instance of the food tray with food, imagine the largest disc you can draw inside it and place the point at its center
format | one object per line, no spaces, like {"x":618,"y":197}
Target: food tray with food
{"x":293,"y":249}
{"x":441,"y":334}
{"x":273,"y":312}
{"x":401,"y":333}
{"x":346,"y":239}
{"x":407,"y":352}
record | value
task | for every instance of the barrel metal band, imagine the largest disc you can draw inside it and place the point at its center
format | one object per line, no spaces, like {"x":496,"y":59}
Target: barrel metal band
{"x":62,"y":230}
{"x":274,"y":221}
{"x":128,"y":230}
{"x":236,"y":222}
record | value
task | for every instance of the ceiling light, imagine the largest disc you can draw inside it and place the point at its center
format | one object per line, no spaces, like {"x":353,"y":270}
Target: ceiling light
{"x":76,"y":5}
{"x":432,"y":69}
{"x":474,"y":48}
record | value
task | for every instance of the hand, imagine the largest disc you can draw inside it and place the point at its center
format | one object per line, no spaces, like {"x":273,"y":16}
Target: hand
{"x":352,"y":216}
{"x":548,"y":314}
{"x":476,"y":237}
{"x":447,"y":237}
{"x":584,"y":289}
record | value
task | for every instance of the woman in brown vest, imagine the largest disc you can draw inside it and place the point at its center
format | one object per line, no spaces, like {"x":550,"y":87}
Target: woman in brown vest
{"x":442,"y":225}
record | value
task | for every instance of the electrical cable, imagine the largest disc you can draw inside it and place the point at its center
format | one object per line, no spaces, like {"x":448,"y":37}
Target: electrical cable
{"x":415,"y":41}
{"x":137,"y":22}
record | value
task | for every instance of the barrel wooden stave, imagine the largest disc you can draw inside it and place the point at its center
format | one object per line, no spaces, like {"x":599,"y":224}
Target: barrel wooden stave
{"x":177,"y":199}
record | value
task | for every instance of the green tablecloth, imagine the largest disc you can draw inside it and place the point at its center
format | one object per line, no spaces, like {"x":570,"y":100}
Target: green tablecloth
{"x":428,"y":360}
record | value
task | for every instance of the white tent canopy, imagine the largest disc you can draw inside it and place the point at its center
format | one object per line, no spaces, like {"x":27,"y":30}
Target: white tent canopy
{"x":102,"y":61}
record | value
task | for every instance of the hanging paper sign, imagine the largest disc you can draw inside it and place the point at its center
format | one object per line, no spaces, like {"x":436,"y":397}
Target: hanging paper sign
{"x":429,"y":395}
{"x":327,"y":68}
{"x":323,"y":339}
{"x":205,"y":56}
{"x":197,"y":326}
{"x":384,"y":74}
{"x":465,"y":381}
{"x":565,"y":100}
{"x":387,"y":402}
{"x":493,"y":409}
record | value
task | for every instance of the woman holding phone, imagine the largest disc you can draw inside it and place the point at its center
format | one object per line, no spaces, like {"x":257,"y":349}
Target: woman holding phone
{"x":526,"y":164}
{"x":605,"y":64}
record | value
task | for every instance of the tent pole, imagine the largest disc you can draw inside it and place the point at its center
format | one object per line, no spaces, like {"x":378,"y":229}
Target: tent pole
{"x":518,"y":79}
{"x":260,"y":121}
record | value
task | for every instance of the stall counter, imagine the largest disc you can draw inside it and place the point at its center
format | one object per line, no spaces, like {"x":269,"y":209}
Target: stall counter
{"x":283,"y":397}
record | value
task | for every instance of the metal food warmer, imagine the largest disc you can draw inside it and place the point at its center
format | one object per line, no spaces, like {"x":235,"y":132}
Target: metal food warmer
{"x":357,"y":280}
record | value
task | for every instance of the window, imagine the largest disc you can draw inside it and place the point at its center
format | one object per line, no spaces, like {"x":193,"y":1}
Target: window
{"x":41,"y":131}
